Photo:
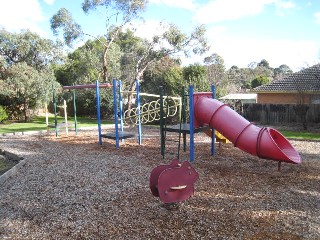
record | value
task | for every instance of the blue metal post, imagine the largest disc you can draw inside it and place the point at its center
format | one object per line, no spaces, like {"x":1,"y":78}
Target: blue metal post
{"x":55,"y":110}
{"x":213,"y":137}
{"x":120,"y":106}
{"x":139,"y":112}
{"x":75,"y":112}
{"x":191,"y":112}
{"x":115,"y":110}
{"x":98,"y":111}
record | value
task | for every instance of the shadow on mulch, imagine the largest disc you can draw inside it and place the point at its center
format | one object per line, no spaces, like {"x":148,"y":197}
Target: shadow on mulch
{"x":7,"y":161}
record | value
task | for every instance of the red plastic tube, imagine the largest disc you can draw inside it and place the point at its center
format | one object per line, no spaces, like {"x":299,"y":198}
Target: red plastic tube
{"x":265,"y":143}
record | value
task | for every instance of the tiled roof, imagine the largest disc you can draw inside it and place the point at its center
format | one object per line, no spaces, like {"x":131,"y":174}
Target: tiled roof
{"x":306,"y":80}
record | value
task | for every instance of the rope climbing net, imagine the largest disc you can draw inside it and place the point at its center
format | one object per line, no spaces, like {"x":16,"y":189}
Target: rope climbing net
{"x":150,"y":111}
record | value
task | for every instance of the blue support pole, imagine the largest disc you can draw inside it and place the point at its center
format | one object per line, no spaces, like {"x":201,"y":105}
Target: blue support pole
{"x":55,"y":110}
{"x":115,"y":110}
{"x":139,"y":112}
{"x":191,"y":110}
{"x":120,"y":106}
{"x":213,"y":137}
{"x":75,"y":112}
{"x":98,"y":111}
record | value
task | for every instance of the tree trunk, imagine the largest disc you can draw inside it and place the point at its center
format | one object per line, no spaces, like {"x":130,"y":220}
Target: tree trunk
{"x":25,"y":109}
{"x":105,"y":64}
{"x":130,"y":95}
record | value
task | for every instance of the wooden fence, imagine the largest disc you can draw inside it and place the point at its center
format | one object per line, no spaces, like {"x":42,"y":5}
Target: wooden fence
{"x":281,"y":113}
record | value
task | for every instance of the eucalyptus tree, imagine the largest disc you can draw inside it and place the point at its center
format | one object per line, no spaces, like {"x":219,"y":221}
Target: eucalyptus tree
{"x":118,"y":14}
{"x":30,"y":48}
{"x":139,"y":54}
{"x":260,"y":80}
{"x":196,"y":75}
{"x":166,"y":73}
{"x":281,"y":72}
{"x":26,"y":74}
{"x":25,"y":88}
{"x":215,"y":69}
{"x":84,"y":65}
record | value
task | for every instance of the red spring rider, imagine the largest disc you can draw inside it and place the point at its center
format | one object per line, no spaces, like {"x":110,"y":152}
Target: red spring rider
{"x":173,"y":182}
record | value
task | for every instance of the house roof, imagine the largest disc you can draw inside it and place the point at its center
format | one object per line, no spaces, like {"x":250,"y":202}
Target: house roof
{"x":306,"y":80}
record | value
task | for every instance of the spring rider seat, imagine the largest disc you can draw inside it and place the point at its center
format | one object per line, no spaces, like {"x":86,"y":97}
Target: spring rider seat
{"x":173,"y":182}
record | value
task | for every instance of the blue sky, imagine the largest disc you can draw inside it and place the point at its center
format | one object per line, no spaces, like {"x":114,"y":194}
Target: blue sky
{"x":280,"y":31}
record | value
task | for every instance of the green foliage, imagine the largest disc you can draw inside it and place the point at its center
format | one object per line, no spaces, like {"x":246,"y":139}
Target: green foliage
{"x":128,"y":8}
{"x":3,"y":114}
{"x":85,"y":66}
{"x":25,"y":71}
{"x":25,"y":88}
{"x":166,"y":73}
{"x":264,"y":63}
{"x":29,"y":48}
{"x":71,"y":29}
{"x":196,"y":75}
{"x":258,"y":81}
{"x":216,"y":71}
{"x":282,"y":71}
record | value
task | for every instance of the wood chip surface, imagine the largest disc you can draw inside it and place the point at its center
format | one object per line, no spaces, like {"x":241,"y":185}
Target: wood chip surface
{"x":72,"y":188}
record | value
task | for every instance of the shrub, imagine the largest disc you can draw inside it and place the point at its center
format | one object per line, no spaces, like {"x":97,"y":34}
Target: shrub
{"x":3,"y":114}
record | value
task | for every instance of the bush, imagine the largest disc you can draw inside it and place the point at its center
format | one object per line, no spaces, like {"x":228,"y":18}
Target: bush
{"x":3,"y":114}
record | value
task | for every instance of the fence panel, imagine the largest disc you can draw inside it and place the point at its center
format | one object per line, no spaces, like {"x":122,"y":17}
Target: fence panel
{"x":281,"y":113}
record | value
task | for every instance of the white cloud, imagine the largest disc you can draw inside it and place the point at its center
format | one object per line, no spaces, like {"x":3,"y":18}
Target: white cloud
{"x":241,"y":51}
{"x":283,"y":6}
{"x":147,"y":29}
{"x":185,"y":4}
{"x":20,"y":14}
{"x":221,"y":10}
{"x":317,"y":17}
{"x":49,"y":2}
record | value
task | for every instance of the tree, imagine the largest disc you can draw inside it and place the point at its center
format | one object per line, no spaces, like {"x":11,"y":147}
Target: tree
{"x":258,"y":81}
{"x":85,"y":64}
{"x":215,"y":69}
{"x":122,"y":12}
{"x":25,"y":88}
{"x":281,"y":72}
{"x":263,"y":63}
{"x":141,"y":53}
{"x":166,"y":73}
{"x":196,"y":75}
{"x":26,"y":74}
{"x":30,"y":48}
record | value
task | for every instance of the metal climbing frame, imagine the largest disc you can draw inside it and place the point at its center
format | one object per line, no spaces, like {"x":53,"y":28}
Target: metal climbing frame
{"x":184,"y":128}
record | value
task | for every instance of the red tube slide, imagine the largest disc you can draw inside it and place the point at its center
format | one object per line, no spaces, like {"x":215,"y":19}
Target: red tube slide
{"x":263,"y":142}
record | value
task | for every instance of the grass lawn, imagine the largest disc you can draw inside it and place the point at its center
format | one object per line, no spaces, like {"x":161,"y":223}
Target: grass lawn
{"x":39,"y":123}
{"x":301,"y":135}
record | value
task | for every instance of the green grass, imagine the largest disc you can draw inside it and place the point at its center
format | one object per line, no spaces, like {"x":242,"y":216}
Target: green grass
{"x":39,"y":123}
{"x":301,"y":135}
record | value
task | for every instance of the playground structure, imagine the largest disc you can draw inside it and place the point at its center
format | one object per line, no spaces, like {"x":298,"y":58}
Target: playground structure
{"x":175,"y":182}
{"x":65,"y":124}
{"x":141,"y":114}
{"x":206,"y":113}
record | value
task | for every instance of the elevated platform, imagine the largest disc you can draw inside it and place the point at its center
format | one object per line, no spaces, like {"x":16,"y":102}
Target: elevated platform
{"x":185,"y":128}
{"x":122,"y":135}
